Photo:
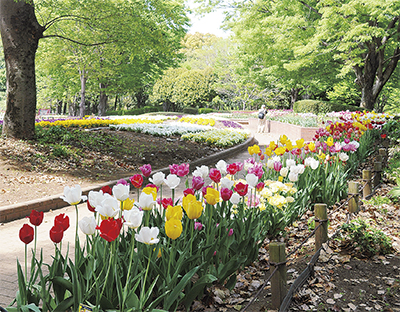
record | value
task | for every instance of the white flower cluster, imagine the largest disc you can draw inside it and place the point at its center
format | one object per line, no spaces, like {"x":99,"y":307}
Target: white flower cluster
{"x":169,"y":129}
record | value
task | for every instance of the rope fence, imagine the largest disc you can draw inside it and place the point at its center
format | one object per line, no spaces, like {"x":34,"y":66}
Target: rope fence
{"x":282,"y":298}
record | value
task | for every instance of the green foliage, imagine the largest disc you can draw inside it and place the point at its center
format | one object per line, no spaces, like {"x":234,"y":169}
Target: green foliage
{"x":205,"y":110}
{"x":366,"y":240}
{"x":191,"y":110}
{"x":133,"y":111}
{"x":321,"y":107}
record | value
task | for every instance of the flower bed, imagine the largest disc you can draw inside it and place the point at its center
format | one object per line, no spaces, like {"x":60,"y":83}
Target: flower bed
{"x":171,"y":250}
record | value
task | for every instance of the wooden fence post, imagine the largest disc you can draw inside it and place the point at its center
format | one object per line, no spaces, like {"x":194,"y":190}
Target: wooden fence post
{"x":377,"y":173}
{"x":353,"y":192}
{"x":277,"y":255}
{"x":321,"y":235}
{"x":383,"y":153}
{"x":366,"y":175}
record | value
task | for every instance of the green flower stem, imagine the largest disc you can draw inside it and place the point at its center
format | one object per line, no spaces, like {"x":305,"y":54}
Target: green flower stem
{"x":110,"y":264}
{"x":144,"y":282}
{"x":129,"y":272}
{"x":26,"y":263}
{"x":147,"y":217}
{"x":77,"y":244}
{"x":171,"y":255}
{"x":173,"y":196}
{"x":191,"y":237}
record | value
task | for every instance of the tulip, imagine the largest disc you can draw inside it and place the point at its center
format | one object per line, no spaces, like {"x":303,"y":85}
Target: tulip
{"x":26,"y":234}
{"x":188,"y":191}
{"x":183,"y":170}
{"x":226,"y":193}
{"x":36,"y":217}
{"x":121,"y":191}
{"x":215,"y":175}
{"x":172,"y":181}
{"x":343,"y":157}
{"x":127,"y":204}
{"x":106,"y":189}
{"x":95,"y":198}
{"x":241,"y":188}
{"x":136,"y":180}
{"x":88,"y":225}
{"x":232,"y":169}
{"x":235,"y":199}
{"x":202,"y":171}
{"x":173,"y":169}
{"x":56,"y":234}
{"x":251,"y":179}
{"x":109,"y":207}
{"x":73,"y":195}
{"x":167,"y":202}
{"x":90,"y":207}
{"x":198,"y":226}
{"x":230,"y":233}
{"x":110,"y":229}
{"x":284,"y":172}
{"x":150,"y":190}
{"x":197,"y":182}
{"x":148,"y":235}
{"x":227,"y":183}
{"x":158,"y":178}
{"x":174,"y":212}
{"x":146,"y":170}
{"x":122,"y":181}
{"x":192,"y":207}
{"x":146,"y":201}
{"x":277,"y":166}
{"x":221,"y":166}
{"x":62,"y":220}
{"x":133,"y":218}
{"x":260,"y":186}
{"x":173,"y":228}
{"x":212,"y":196}
{"x":293,"y":177}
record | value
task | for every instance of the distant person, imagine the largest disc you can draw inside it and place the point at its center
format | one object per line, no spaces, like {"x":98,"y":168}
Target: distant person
{"x":261,"y":119}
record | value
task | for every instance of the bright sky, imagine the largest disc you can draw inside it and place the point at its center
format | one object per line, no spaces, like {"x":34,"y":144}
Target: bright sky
{"x":210,"y":23}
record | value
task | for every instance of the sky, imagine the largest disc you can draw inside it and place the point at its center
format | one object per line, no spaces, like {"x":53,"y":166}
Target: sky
{"x":210,"y":23}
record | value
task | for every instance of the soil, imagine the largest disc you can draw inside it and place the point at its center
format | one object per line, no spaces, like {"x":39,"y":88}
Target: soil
{"x":343,"y":280}
{"x":29,"y":170}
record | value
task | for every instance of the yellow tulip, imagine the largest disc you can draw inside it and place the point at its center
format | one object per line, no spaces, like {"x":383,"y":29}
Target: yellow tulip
{"x":255,"y":149}
{"x":311,"y":146}
{"x":272,"y":145}
{"x":212,"y":196}
{"x":268,"y":151}
{"x":174,"y":212}
{"x":283,"y":139}
{"x":329,"y":141}
{"x":127,"y":204}
{"x":280,"y":150}
{"x":300,"y":143}
{"x":192,"y":206}
{"x":150,"y":190}
{"x":289,"y":145}
{"x":173,"y":228}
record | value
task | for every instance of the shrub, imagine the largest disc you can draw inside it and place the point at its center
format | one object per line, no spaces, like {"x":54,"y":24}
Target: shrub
{"x":306,"y":106}
{"x":133,"y":111}
{"x":321,"y":107}
{"x":191,"y":110}
{"x":205,"y":110}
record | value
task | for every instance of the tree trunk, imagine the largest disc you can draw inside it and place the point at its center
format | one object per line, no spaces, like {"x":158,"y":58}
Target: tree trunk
{"x":294,"y":96}
{"x":373,"y":75}
{"x":83,"y":93}
{"x":103,"y":100}
{"x":20,"y":33}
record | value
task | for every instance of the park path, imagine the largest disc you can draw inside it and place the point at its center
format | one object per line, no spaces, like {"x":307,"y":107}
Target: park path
{"x":12,"y":248}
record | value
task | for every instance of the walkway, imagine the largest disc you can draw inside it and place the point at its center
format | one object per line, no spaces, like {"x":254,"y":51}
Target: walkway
{"x":12,"y":248}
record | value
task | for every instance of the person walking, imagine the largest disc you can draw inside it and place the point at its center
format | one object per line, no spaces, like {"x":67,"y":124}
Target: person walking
{"x":261,"y":119}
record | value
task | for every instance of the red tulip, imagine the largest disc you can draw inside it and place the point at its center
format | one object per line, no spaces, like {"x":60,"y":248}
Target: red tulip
{"x":241,"y":188}
{"x":36,"y":217}
{"x":62,"y":220}
{"x":137,"y":180}
{"x":110,"y":229}
{"x":56,"y":233}
{"x":215,"y":175}
{"x":167,"y":202}
{"x":106,"y":189}
{"x":197,"y":183}
{"x":92,"y":209}
{"x":383,"y":135}
{"x":226,"y":194}
{"x":26,"y":234}
{"x":188,"y":191}
{"x":183,"y":169}
{"x":232,"y":169}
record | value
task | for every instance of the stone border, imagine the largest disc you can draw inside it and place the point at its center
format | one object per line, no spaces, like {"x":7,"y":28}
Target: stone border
{"x":17,"y":211}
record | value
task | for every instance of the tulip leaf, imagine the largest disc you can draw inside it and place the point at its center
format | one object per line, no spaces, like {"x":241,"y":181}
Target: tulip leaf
{"x":132,"y":300}
{"x":178,"y":288}
{"x":231,"y":282}
{"x":65,"y":304}
{"x":198,"y":288}
{"x":21,"y":294}
{"x":230,"y":267}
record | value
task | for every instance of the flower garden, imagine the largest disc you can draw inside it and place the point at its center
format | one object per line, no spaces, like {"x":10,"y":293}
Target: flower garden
{"x":158,"y":253}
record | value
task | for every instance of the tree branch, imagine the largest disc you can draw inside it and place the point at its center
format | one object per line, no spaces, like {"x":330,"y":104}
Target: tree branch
{"x":77,"y":42}
{"x":62,"y":17}
{"x":310,"y":7}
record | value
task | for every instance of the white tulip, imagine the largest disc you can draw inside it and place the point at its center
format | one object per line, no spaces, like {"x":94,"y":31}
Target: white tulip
{"x":121,"y":191}
{"x":73,"y":195}
{"x":109,"y":207}
{"x":133,"y":218}
{"x":235,"y":198}
{"x":284,"y":172}
{"x":202,"y":171}
{"x":146,"y":201}
{"x":172,"y":181}
{"x":158,"y":178}
{"x":343,"y":157}
{"x":251,"y":179}
{"x":290,"y":163}
{"x":225,"y":182}
{"x":293,"y":177}
{"x":148,"y":235}
{"x":221,"y":166}
{"x":270,"y":163}
{"x":88,"y":225}
{"x":95,"y":198}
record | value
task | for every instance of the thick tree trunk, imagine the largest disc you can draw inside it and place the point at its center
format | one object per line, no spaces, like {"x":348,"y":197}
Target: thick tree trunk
{"x":83,"y":93}
{"x":103,"y":100}
{"x":20,"y":33}
{"x":294,"y":95}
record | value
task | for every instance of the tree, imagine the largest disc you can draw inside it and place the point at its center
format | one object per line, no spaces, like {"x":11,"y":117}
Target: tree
{"x":157,"y":25}
{"x":352,"y":35}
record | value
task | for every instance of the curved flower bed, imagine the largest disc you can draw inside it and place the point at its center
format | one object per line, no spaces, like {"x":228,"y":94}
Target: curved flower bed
{"x":161,"y":253}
